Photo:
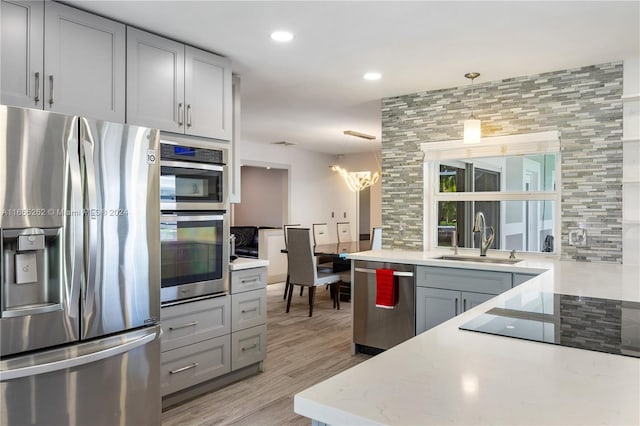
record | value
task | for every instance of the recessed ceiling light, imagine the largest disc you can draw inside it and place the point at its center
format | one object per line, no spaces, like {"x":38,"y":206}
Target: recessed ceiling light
{"x":371,"y":76}
{"x":282,"y":36}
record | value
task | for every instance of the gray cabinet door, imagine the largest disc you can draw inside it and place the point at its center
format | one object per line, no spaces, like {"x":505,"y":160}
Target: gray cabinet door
{"x":519,"y":278}
{"x":84,"y":57}
{"x":435,"y":306}
{"x":470,"y":300}
{"x":155,"y":81}
{"x":21,"y":53}
{"x":208,"y":93}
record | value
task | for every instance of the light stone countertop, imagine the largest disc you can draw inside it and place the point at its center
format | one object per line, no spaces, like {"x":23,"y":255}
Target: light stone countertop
{"x":247,"y":263}
{"x":451,"y":376}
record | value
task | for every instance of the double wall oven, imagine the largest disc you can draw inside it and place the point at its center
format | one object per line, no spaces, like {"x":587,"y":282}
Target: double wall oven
{"x":194,"y":226}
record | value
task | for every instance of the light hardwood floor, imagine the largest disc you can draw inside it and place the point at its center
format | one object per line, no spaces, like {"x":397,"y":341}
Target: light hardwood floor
{"x":301,"y":351}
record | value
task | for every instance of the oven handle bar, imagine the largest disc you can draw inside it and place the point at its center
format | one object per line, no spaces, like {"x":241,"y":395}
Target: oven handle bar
{"x":184,"y":218}
{"x":199,"y":166}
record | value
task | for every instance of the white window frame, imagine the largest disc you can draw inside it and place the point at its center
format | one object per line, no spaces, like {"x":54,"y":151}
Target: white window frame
{"x":523,"y":144}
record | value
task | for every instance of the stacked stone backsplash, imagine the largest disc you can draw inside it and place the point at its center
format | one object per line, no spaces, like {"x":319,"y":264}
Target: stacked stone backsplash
{"x":584,"y":104}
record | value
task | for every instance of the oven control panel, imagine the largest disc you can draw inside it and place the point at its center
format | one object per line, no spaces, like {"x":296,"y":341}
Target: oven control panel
{"x":192,"y":154}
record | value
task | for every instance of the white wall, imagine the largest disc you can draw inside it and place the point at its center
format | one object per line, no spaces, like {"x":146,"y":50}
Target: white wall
{"x":314,"y":190}
{"x":368,"y":161}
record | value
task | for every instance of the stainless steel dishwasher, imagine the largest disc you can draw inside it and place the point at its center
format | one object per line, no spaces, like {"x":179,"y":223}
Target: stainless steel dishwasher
{"x":377,"y":329}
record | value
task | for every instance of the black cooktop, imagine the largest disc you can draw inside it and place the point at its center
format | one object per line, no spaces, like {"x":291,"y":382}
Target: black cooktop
{"x":602,"y":325}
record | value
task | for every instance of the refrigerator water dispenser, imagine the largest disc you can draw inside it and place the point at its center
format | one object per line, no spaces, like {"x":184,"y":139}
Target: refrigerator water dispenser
{"x":31,"y":273}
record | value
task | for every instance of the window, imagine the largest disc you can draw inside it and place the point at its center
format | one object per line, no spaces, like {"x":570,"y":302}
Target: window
{"x":516,"y":190}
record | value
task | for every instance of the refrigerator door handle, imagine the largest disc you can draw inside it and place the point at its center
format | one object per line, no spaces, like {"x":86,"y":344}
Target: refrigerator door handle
{"x":91,"y":218}
{"x":89,"y":358}
{"x":74,"y":227}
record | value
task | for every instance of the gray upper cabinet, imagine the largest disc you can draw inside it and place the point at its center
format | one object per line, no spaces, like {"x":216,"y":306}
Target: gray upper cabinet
{"x":84,"y":59}
{"x":208,"y":94}
{"x":177,"y":88}
{"x":62,"y":59}
{"x":155,"y":81}
{"x":21,"y":50}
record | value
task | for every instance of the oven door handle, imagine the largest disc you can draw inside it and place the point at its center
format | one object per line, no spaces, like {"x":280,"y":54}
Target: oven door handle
{"x":198,"y":166}
{"x":183,"y":218}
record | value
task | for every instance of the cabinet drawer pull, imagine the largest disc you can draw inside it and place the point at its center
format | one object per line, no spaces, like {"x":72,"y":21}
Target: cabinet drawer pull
{"x":178,"y":327}
{"x":464,"y":305}
{"x":37,"y":97}
{"x":188,"y":115}
{"x":244,"y":311}
{"x":456,"y":306}
{"x":185,"y":368}
{"x":180,"y":114}
{"x":51,"y":92}
{"x":252,"y":280}
{"x":255,"y":345}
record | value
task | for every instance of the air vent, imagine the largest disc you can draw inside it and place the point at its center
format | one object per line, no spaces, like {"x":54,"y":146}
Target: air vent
{"x":283,"y":143}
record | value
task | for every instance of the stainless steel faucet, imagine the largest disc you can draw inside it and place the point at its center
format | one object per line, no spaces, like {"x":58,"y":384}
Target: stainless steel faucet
{"x":482,"y":228}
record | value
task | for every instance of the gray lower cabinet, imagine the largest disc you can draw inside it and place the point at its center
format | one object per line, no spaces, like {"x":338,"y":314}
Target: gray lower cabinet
{"x":519,"y":278}
{"x":435,"y":305}
{"x":192,"y":364}
{"x":196,"y":342}
{"x":248,"y":317}
{"x":62,"y":59}
{"x":177,"y":88}
{"x":442,"y":292}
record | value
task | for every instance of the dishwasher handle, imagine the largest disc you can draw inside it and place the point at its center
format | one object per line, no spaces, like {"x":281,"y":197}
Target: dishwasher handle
{"x":395,"y":273}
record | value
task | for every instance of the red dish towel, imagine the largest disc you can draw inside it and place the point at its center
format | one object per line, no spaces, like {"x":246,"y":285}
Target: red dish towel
{"x":386,"y":289}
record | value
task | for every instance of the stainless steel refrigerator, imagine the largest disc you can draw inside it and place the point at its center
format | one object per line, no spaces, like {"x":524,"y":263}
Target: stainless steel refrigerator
{"x":80,"y":289}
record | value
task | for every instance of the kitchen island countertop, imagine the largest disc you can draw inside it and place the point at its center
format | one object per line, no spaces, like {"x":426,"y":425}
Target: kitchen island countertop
{"x":451,"y":376}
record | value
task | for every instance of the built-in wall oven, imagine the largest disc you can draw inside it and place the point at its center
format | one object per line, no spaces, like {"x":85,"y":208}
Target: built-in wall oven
{"x":194,"y":225}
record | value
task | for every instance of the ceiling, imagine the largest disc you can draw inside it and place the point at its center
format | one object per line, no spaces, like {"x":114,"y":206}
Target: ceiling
{"x":309,"y":90}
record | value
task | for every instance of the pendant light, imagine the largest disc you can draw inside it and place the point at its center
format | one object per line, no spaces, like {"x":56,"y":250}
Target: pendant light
{"x":472,"y":125}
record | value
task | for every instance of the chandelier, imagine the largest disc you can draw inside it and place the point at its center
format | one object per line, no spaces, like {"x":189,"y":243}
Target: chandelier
{"x":357,"y":181}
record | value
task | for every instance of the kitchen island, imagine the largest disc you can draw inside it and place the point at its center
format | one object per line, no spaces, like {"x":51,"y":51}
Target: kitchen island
{"x":451,"y":376}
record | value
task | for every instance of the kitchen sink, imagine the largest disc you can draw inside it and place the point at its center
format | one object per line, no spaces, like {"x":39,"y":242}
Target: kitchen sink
{"x":479,"y":259}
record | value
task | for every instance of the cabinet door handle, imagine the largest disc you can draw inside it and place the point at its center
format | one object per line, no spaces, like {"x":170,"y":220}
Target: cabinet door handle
{"x":51,"y":92}
{"x":464,"y":305}
{"x":185,"y":368}
{"x":180,"y":114}
{"x":37,"y":97}
{"x":255,"y":345}
{"x":188,"y":115}
{"x":178,"y":327}
{"x":456,"y":306}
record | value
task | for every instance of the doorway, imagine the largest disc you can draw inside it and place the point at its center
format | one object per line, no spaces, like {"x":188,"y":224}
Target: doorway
{"x":264,"y":197}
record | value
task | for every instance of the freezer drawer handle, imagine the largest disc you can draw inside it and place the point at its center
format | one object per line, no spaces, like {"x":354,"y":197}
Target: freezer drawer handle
{"x":178,"y":327}
{"x":185,"y":368}
{"x":255,"y":345}
{"x":395,"y":274}
{"x":50,"y":367}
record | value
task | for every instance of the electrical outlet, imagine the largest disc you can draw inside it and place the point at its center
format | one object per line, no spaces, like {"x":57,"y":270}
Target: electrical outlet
{"x":578,"y":237}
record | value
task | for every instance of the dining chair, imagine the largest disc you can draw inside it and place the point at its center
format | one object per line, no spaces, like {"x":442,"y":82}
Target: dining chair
{"x":376,"y":239}
{"x":344,"y":232}
{"x":321,"y":236}
{"x":286,"y":284}
{"x":303,"y":268}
